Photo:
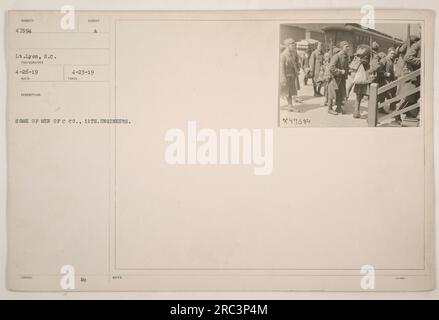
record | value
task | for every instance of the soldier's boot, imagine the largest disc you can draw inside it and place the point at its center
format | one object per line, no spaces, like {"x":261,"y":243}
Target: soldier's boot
{"x":386,"y":107}
{"x":398,"y":119}
{"x":314,"y":88}
{"x":290,"y":104}
{"x":325,"y":103}
{"x":339,"y":109}
{"x":317,"y":91}
{"x":330,"y":110}
{"x":357,"y":114}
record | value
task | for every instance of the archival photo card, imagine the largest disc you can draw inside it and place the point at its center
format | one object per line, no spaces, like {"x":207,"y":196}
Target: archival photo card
{"x":220,"y":151}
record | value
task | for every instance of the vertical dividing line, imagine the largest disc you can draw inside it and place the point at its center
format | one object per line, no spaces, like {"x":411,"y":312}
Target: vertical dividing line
{"x":115,"y":147}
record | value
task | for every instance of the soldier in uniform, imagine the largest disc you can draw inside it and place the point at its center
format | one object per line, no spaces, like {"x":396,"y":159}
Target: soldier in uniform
{"x":377,"y":70}
{"x":361,"y":88}
{"x":400,"y":64}
{"x":305,"y":66}
{"x":289,"y":70}
{"x":413,"y":55}
{"x":412,"y":62}
{"x":338,"y":68}
{"x":389,"y":75}
{"x":326,"y":76}
{"x":376,"y":67}
{"x":315,"y":65}
{"x":389,"y":63}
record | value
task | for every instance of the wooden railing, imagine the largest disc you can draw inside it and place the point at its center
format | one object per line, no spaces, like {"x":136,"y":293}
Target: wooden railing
{"x":373,"y":119}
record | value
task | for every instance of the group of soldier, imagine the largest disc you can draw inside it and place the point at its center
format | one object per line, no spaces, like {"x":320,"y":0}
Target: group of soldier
{"x":339,"y":72}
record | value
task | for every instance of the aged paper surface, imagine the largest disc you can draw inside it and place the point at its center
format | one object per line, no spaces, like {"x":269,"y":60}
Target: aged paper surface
{"x":120,"y":173}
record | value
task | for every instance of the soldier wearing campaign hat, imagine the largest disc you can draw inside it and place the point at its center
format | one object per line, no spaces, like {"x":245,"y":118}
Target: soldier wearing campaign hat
{"x":411,"y":61}
{"x":289,"y":70}
{"x":338,"y":68}
{"x":377,"y":68}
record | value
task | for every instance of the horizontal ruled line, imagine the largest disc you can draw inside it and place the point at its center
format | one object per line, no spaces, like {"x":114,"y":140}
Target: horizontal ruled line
{"x":63,"y":48}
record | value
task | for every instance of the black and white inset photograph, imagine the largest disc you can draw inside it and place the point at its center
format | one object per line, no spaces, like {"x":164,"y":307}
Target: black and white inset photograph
{"x":349,"y":75}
